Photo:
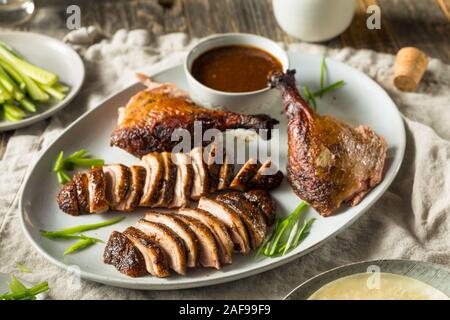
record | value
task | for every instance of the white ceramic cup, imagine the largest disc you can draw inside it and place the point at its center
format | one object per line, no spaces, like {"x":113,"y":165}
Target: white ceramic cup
{"x":245,"y":102}
{"x":314,"y":20}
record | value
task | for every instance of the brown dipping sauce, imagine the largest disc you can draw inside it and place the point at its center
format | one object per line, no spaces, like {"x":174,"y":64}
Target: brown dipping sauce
{"x":235,"y":68}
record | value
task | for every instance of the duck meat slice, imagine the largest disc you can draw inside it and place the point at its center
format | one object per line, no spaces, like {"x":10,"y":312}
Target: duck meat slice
{"x":201,"y":183}
{"x":67,"y":199}
{"x":231,"y":219}
{"x":208,"y":254}
{"x":182,"y":230}
{"x":266,"y":178}
{"x":135,"y":191}
{"x":117,"y":179}
{"x":168,"y":181}
{"x":244,"y":175}
{"x":264,"y":201}
{"x":218,"y":229}
{"x":97,"y":191}
{"x":155,"y":260}
{"x":226,"y":172}
{"x":250,"y":215}
{"x":183,"y":184}
{"x":82,"y":187}
{"x":154,"y":166}
{"x":121,"y":253}
{"x":171,"y":244}
{"x":214,"y":160}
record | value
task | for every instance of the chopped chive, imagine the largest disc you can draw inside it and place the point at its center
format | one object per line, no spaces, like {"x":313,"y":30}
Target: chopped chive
{"x":59,"y":162}
{"x":88,"y":162}
{"x":310,"y":97}
{"x":323,"y":70}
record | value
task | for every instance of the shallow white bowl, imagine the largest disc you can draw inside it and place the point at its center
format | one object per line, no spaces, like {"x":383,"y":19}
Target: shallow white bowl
{"x":52,"y":55}
{"x":235,"y":101}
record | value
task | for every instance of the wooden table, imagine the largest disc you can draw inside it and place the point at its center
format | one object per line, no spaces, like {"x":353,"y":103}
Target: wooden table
{"x":421,"y":23}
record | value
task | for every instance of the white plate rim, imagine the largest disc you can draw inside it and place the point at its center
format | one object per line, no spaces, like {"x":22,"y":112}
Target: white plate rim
{"x":136,"y":284}
{"x":6,"y":126}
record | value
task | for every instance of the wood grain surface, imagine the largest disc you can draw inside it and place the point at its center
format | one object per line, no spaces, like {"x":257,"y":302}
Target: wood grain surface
{"x":421,"y":23}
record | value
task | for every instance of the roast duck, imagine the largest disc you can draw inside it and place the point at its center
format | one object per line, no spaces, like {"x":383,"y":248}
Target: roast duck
{"x":205,"y":236}
{"x":329,"y":162}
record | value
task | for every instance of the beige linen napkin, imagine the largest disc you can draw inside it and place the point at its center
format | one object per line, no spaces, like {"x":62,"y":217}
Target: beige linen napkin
{"x":410,"y":221}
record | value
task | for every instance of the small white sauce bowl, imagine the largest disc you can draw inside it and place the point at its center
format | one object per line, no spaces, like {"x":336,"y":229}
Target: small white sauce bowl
{"x":246,"y":102}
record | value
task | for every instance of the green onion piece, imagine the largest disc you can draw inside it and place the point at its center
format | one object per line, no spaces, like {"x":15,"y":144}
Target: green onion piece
{"x":303,"y":233}
{"x":323,"y":69}
{"x":60,"y":87}
{"x":79,"y":246}
{"x":53,"y":92}
{"x":22,"y":268}
{"x":28,"y":294}
{"x":14,"y":111}
{"x":83,"y":162}
{"x":69,"y":236}
{"x":59,"y":162}
{"x":16,"y":286}
{"x":330,"y":88}
{"x":310,"y":97}
{"x":76,"y":155}
{"x":64,"y":176}
{"x":81,"y":228}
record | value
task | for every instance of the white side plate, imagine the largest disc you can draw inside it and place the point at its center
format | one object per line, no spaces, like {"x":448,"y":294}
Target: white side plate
{"x":361,"y":101}
{"x":52,"y":55}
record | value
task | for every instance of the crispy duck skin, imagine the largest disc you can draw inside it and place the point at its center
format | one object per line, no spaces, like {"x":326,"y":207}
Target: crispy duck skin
{"x":97,"y":191}
{"x":121,"y":253}
{"x":252,"y":217}
{"x":329,"y":162}
{"x":264,"y":202}
{"x":81,"y":183}
{"x":244,"y":175}
{"x":265,"y":179}
{"x":67,"y":199}
{"x":155,"y":260}
{"x":151,"y":116}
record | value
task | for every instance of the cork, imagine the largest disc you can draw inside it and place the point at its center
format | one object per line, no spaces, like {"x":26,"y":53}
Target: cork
{"x":410,"y":66}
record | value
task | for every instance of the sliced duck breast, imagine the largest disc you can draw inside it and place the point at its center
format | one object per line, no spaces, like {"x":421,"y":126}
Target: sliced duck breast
{"x":266,"y":178}
{"x":155,"y":259}
{"x":82,"y":187}
{"x":154,"y":178}
{"x":226,"y":172}
{"x":117,"y":179}
{"x":182,"y":230}
{"x":168,"y":182}
{"x":231,"y":219}
{"x":121,"y":253}
{"x":244,"y":175}
{"x":208,"y":254}
{"x":67,"y":199}
{"x":97,"y":191}
{"x":171,"y":244}
{"x":183,"y":184}
{"x":214,"y":159}
{"x":201,"y":183}
{"x":218,"y":229}
{"x":252,"y":217}
{"x":135,"y":191}
{"x":264,"y":201}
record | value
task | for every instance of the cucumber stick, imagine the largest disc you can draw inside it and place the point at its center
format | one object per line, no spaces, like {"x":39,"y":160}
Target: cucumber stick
{"x":38,"y":74}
